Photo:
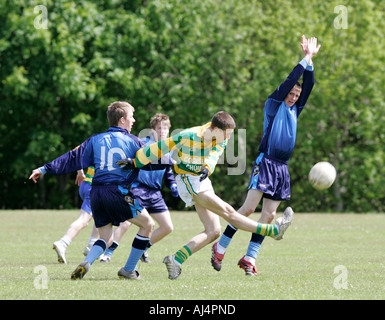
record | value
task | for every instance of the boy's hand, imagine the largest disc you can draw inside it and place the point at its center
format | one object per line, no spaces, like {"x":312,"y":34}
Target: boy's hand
{"x":204,"y":173}
{"x":126,"y":163}
{"x":311,"y":47}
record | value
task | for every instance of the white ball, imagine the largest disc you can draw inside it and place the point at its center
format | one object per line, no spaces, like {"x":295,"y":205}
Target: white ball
{"x":322,"y":175}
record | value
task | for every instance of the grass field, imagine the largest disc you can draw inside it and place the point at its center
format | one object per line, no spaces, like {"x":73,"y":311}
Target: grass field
{"x":323,"y":256}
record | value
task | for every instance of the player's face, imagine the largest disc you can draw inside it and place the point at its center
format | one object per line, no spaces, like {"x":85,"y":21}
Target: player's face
{"x":162,"y":130}
{"x":293,"y":96}
{"x":128,"y":122}
{"x":222,"y":135}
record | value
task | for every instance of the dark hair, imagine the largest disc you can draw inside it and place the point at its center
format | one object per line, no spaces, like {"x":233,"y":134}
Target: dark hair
{"x":223,"y":121}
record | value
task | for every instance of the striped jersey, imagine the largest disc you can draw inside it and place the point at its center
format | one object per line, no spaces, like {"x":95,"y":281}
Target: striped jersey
{"x":192,"y":152}
{"x":89,"y":175}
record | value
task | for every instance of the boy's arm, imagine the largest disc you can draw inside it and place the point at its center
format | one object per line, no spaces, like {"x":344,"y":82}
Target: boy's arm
{"x":68,"y":162}
{"x":283,"y":90}
{"x":307,"y":86}
{"x":212,"y":159}
{"x":156,"y":150}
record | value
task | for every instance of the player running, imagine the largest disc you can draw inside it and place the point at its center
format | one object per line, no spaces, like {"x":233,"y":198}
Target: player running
{"x":111,"y":199}
{"x":270,"y":177}
{"x":197,"y":152}
{"x":147,"y":189}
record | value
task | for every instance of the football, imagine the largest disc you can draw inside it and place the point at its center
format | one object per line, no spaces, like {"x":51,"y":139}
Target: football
{"x":322,"y":175}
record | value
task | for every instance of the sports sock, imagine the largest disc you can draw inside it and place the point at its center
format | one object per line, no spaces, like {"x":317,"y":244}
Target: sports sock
{"x":265,"y":229}
{"x":254,"y":245}
{"x":65,"y":240}
{"x":91,"y":242}
{"x":111,"y":249}
{"x":96,"y":250}
{"x":182,"y":254}
{"x":139,"y":245}
{"x":226,"y":237}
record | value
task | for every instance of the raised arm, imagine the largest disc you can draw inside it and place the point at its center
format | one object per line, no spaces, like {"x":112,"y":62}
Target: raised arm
{"x":310,"y":49}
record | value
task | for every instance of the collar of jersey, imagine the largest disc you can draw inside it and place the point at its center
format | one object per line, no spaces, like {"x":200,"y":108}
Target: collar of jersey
{"x":117,"y":129}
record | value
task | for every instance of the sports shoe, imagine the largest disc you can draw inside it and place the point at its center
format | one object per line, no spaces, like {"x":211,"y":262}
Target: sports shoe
{"x":216,"y":258}
{"x":284,"y":222}
{"x":144,"y":257}
{"x":80,"y":270}
{"x":174,"y":270}
{"x":60,"y":250}
{"x":105,"y":258}
{"x":124,"y":274}
{"x":250,"y":269}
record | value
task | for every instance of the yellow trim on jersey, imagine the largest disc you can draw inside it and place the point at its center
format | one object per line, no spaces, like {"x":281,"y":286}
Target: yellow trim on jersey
{"x":193,"y":152}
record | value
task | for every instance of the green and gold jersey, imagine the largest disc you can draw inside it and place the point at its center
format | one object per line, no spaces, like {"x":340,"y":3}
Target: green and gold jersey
{"x":192,"y":151}
{"x":89,"y":175}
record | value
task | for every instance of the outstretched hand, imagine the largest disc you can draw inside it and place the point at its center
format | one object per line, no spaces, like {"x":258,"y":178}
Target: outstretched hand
{"x":35,"y":175}
{"x":310,"y":47}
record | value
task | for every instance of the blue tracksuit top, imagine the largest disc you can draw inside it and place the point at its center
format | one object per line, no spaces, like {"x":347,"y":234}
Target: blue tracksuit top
{"x":154,"y":178}
{"x":101,"y":151}
{"x":280,"y":120}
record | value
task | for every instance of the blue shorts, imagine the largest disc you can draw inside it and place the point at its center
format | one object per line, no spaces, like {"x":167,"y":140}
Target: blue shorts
{"x":84,"y":192}
{"x":151,"y":199}
{"x":113,"y":204}
{"x":271,"y":177}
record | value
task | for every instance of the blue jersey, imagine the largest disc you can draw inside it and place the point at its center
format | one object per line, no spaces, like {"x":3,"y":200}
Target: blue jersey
{"x":154,"y":178}
{"x":280,"y":120}
{"x":101,"y":151}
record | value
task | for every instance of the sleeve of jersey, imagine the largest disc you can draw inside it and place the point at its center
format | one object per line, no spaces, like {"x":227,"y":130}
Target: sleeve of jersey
{"x":155,"y":151}
{"x":214,"y":155}
{"x":169,"y":178}
{"x":69,"y":162}
{"x":307,"y":86}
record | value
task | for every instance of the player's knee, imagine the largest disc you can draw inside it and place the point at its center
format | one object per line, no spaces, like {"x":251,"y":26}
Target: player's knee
{"x":167,"y":229}
{"x":268,"y":217}
{"x":246,"y":211}
{"x":149,"y":225}
{"x":214,"y":234}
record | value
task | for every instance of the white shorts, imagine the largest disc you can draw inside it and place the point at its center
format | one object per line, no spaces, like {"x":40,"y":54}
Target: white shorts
{"x":189,"y":185}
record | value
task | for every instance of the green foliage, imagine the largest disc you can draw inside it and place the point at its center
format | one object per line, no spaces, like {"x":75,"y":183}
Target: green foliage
{"x":191,"y":59}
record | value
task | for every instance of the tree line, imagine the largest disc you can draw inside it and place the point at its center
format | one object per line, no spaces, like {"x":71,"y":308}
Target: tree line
{"x":63,"y":62}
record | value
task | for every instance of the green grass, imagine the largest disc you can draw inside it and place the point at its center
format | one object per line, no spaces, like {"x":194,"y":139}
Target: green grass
{"x":299,"y":267}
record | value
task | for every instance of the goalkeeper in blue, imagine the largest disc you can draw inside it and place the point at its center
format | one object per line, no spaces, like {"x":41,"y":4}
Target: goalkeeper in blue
{"x":270,"y":177}
{"x":111,"y":199}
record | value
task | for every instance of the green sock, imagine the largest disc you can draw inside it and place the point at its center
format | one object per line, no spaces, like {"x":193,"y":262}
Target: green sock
{"x":267,"y":229}
{"x":182,"y":255}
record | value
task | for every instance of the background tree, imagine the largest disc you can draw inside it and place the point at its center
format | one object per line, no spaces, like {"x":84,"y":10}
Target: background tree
{"x":190,"y":59}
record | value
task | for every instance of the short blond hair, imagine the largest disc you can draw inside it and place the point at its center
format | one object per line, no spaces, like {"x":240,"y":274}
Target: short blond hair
{"x":159,"y":117}
{"x":116,"y":110}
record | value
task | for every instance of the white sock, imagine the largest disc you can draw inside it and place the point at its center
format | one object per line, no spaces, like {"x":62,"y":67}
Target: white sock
{"x":220,"y":249}
{"x":66,"y":241}
{"x":91,"y":242}
{"x":250,"y":259}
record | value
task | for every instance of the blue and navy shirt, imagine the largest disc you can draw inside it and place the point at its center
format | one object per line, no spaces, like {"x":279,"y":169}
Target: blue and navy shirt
{"x":280,"y":120}
{"x":101,"y":151}
{"x":154,"y":178}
